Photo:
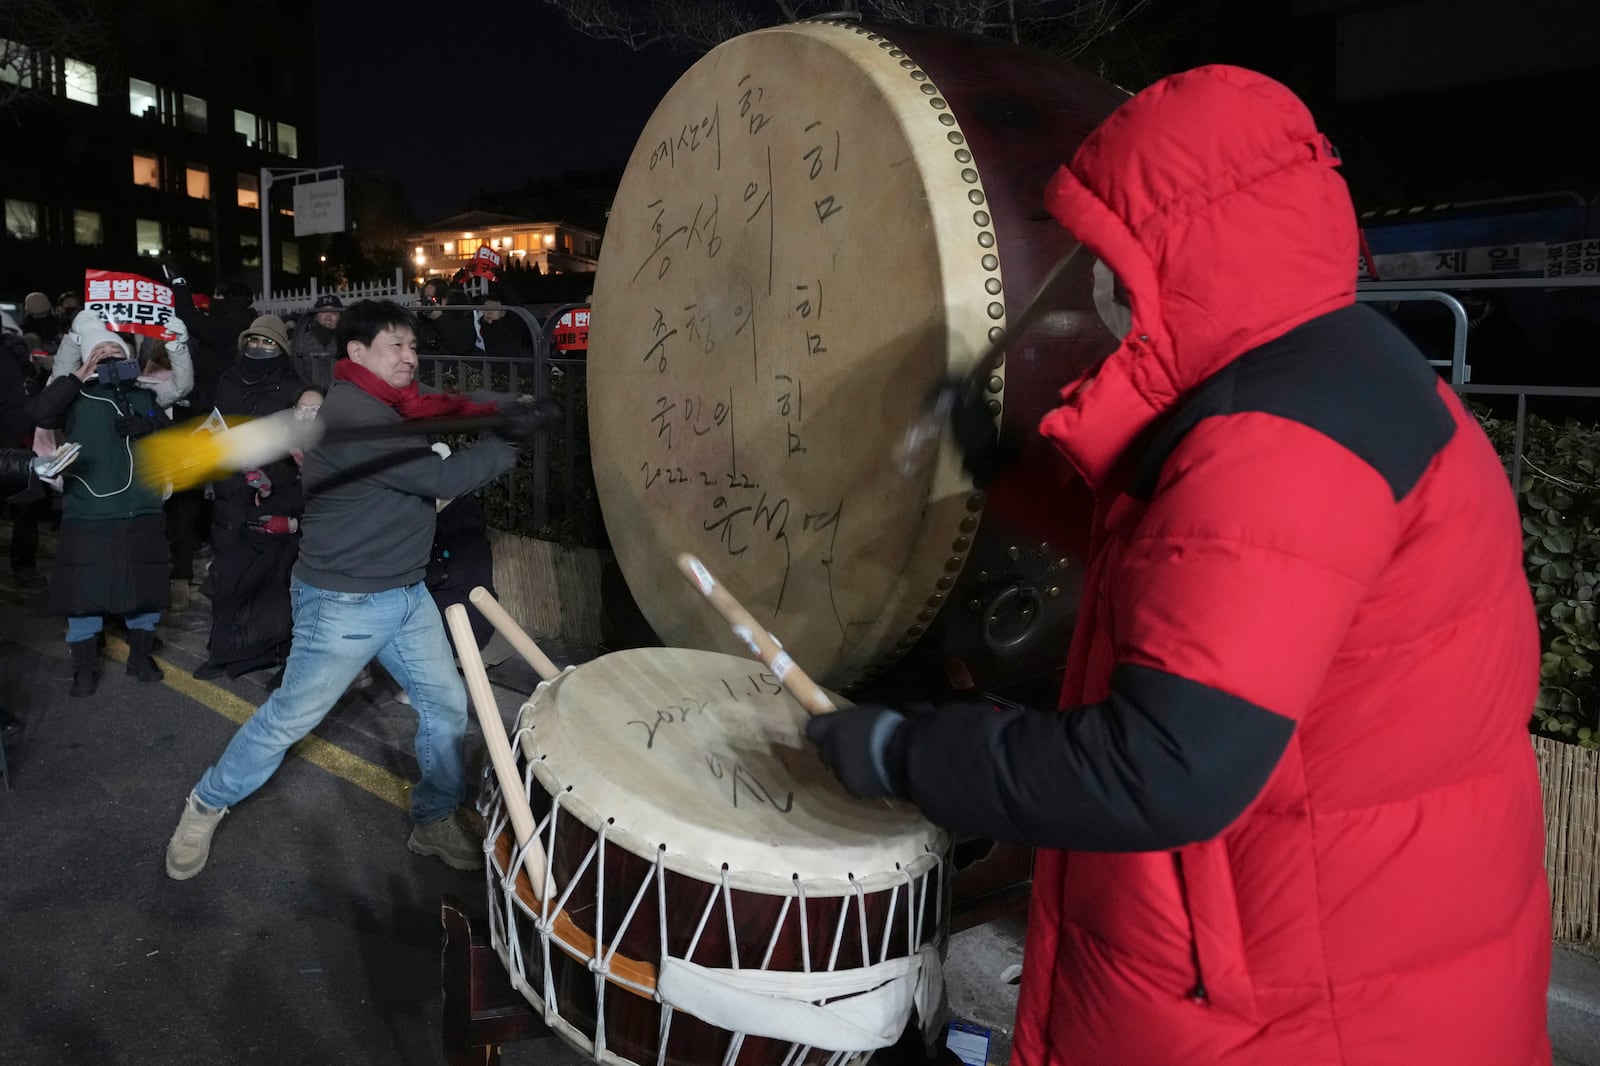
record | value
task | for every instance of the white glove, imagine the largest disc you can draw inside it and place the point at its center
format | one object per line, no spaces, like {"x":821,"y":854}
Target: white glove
{"x":179,"y":331}
{"x":49,"y":466}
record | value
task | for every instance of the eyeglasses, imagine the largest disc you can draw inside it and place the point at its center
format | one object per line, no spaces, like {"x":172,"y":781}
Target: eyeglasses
{"x":305,"y":412}
{"x":261,"y":342}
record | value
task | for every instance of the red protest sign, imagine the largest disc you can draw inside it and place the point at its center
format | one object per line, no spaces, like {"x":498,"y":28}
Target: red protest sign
{"x":486,"y":264}
{"x":572,"y":331}
{"x":129,"y":303}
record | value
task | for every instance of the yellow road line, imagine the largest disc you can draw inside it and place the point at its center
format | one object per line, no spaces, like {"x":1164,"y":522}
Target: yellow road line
{"x":385,"y":784}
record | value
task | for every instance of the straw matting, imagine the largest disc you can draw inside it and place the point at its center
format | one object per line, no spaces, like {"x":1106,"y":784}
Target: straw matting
{"x":1570,"y":779}
{"x":551,"y":590}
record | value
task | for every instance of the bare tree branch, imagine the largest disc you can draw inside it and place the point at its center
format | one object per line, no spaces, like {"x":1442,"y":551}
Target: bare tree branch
{"x":36,"y":36}
{"x":1065,"y":27}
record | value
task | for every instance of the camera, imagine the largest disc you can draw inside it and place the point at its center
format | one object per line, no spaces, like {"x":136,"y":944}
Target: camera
{"x":116,"y":371}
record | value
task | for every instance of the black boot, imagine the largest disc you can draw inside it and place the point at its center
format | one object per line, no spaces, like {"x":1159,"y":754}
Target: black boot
{"x":85,"y":676}
{"x":141,"y":642}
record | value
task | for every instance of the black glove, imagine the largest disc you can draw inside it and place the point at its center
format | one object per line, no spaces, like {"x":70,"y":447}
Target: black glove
{"x":135,"y":426}
{"x":983,"y":453}
{"x":524,"y":421}
{"x":16,"y":469}
{"x":864,"y":746}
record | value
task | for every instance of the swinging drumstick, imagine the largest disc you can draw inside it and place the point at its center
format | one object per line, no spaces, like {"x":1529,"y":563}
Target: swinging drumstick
{"x":514,"y":634}
{"x":494,"y":735}
{"x":756,"y":638}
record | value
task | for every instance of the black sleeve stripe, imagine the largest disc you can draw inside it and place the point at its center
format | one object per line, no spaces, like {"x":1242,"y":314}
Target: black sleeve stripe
{"x":1162,"y":762}
{"x":1350,"y":375}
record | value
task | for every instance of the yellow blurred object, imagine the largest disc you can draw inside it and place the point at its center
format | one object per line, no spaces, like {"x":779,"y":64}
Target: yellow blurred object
{"x":194,"y":452}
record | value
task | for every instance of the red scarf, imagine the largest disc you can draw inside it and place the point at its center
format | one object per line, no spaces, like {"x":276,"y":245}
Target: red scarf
{"x":410,"y":401}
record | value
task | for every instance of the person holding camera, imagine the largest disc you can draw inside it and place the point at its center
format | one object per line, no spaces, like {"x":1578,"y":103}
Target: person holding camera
{"x":111,"y":556}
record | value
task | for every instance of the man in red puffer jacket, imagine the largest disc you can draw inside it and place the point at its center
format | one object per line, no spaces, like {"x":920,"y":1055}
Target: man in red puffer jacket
{"x":1289,"y":813}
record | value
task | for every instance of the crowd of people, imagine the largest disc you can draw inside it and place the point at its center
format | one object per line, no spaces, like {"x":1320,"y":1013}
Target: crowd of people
{"x":128,"y":551}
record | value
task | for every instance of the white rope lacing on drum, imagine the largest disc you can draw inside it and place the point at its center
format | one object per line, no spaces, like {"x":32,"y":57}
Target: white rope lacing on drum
{"x":777,"y":929}
{"x":597,"y":962}
{"x":805,"y":934}
{"x":733,"y":1049}
{"x":661,"y":919}
{"x":861,"y":910}
{"x":894,"y":902}
{"x":705,"y":916}
{"x":838,"y":929}
{"x":727,"y":907}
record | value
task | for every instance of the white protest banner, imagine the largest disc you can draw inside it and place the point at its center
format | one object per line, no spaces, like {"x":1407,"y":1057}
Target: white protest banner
{"x":129,"y":303}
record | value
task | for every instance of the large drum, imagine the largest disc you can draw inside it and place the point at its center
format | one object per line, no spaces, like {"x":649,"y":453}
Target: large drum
{"x":711,"y":894}
{"x":819,"y":223}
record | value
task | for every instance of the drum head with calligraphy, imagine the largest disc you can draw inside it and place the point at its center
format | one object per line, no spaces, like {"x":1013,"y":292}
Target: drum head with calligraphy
{"x":705,"y":755}
{"x":798,"y":252}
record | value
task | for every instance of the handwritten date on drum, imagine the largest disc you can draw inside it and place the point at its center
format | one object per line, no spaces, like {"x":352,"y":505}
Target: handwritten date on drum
{"x":672,"y":714}
{"x":739,"y":777}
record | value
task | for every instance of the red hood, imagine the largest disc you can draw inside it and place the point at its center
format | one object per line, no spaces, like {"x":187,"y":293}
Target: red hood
{"x":1211,"y":195}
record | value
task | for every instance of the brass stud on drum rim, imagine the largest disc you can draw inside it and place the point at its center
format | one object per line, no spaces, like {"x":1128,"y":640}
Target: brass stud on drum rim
{"x":986,"y":239}
{"x":997,"y":310}
{"x":980,"y":218}
{"x":963,"y":156}
{"x":990,"y":261}
{"x":992,"y":286}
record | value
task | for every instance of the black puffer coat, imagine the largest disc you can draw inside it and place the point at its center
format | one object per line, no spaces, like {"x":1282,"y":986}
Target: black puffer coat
{"x":250,"y":616}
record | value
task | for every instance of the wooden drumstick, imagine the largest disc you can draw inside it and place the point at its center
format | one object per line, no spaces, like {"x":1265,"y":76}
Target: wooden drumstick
{"x":494,"y":735}
{"x":756,"y":638}
{"x":514,"y":634}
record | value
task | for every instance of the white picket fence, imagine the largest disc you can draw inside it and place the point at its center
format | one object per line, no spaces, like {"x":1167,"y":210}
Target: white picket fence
{"x":289,"y":304}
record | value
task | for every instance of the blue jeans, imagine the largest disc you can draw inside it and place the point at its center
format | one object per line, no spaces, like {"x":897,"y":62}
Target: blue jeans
{"x":82,"y":627}
{"x":335,"y":635}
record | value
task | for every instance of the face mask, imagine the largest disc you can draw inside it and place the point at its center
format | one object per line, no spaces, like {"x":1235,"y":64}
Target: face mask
{"x":259,"y":351}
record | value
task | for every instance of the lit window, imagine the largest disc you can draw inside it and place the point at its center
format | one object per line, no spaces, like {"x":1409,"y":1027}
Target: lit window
{"x":290,"y":257}
{"x":142,"y":99}
{"x":146,"y":170}
{"x":22,"y":220}
{"x":449,"y":247}
{"x":82,"y":82}
{"x":249,"y":191}
{"x":86,"y":229}
{"x":244,"y":127}
{"x":469,"y":246}
{"x":147,"y":236}
{"x":200,"y":244}
{"x":194,"y":114}
{"x":197,"y":182}
{"x":249,"y":251}
{"x":16,"y":64}
{"x":288,"y":141}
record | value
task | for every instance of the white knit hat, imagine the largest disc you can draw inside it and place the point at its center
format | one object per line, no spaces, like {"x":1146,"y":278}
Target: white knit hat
{"x":90,"y":329}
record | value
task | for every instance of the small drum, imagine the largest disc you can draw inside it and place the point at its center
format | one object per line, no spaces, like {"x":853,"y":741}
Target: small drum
{"x":712,"y":895}
{"x":819,"y":223}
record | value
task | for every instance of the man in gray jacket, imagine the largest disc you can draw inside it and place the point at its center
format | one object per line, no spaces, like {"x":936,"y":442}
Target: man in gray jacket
{"x":358,"y":593}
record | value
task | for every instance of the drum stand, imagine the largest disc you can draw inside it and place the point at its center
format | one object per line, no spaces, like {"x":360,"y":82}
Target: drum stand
{"x":481,"y":1009}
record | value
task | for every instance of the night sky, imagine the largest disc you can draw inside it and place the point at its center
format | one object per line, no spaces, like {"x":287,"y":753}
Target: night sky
{"x":451,"y":99}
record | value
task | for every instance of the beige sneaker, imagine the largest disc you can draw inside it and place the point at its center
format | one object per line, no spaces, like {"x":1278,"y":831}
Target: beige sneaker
{"x":190,"y":845}
{"x":446,"y":841}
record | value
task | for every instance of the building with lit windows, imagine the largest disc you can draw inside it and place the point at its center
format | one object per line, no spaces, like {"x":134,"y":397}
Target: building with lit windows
{"x":146,"y":149}
{"x":550,"y":247}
